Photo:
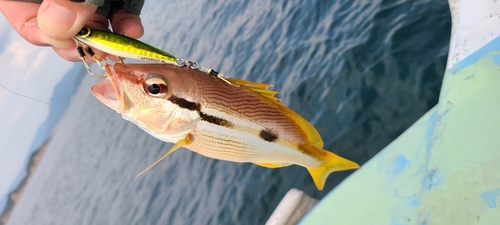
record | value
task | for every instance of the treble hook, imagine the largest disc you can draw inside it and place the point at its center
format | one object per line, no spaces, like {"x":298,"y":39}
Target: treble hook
{"x":218,"y":75}
{"x":196,"y":66}
{"x":79,"y":48}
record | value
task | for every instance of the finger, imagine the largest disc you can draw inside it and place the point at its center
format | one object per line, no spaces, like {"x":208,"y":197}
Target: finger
{"x":60,"y":20}
{"x":24,"y":23}
{"x":127,"y":24}
{"x":71,"y":54}
{"x":27,"y":26}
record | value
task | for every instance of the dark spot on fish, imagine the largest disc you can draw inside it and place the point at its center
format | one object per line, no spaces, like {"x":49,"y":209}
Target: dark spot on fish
{"x":183,"y":103}
{"x":268,"y":135}
{"x":215,"y":120}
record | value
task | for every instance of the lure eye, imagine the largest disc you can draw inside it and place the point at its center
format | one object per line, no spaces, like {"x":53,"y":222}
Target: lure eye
{"x":155,"y":86}
{"x":84,"y":32}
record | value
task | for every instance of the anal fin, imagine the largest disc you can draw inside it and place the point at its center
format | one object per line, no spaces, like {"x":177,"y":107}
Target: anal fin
{"x":273,"y":165}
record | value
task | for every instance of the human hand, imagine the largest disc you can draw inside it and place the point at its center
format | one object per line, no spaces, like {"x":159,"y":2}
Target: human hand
{"x":54,"y":23}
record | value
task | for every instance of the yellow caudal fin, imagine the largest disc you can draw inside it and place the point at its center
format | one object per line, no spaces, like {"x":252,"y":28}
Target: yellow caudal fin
{"x":331,"y":163}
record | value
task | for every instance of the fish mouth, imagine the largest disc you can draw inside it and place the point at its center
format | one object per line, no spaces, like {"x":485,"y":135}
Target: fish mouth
{"x":110,"y":92}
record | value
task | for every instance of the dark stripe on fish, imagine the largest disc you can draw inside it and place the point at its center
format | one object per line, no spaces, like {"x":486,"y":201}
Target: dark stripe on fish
{"x":215,"y":120}
{"x":183,"y":103}
{"x":268,"y":135}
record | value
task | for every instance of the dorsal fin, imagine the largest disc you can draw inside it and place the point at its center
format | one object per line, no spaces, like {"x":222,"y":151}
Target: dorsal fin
{"x":256,"y":87}
{"x":311,"y":133}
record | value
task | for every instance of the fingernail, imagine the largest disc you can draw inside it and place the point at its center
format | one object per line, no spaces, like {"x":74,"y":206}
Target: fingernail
{"x":57,"y":18}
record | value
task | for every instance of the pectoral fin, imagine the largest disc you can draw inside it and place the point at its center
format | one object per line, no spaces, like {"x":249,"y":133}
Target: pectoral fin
{"x":182,"y":142}
{"x":273,"y":165}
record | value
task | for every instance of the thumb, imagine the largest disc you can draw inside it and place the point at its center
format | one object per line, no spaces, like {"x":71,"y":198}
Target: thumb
{"x":60,"y":20}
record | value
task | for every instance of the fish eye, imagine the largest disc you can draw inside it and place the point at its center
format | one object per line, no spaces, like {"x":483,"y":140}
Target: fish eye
{"x":155,"y":86}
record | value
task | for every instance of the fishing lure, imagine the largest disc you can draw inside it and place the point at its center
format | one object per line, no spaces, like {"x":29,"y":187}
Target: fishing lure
{"x":123,"y":46}
{"x":126,"y":47}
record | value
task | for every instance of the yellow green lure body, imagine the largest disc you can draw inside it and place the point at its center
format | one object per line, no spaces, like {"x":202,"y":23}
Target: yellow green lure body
{"x":122,"y":46}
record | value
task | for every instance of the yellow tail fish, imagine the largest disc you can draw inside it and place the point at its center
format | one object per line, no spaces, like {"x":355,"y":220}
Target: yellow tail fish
{"x":242,"y":122}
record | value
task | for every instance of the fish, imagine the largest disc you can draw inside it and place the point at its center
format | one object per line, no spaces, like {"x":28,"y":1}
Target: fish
{"x":239,"y":123}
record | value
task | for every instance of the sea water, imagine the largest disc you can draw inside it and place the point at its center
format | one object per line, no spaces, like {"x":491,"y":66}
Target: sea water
{"x":361,"y":71}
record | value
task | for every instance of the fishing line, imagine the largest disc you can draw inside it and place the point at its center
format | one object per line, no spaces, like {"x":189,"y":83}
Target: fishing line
{"x":128,"y":175}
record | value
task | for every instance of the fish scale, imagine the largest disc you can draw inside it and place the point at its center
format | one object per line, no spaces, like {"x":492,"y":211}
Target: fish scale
{"x":257,"y":112}
{"x":218,"y":144}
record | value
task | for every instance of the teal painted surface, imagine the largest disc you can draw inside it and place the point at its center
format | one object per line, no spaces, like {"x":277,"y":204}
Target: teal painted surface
{"x":445,"y":169}
{"x":478,"y":55}
{"x":387,"y":189}
{"x":490,"y":197}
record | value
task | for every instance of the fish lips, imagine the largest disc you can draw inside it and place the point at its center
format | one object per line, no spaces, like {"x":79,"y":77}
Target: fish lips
{"x":110,"y":91}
